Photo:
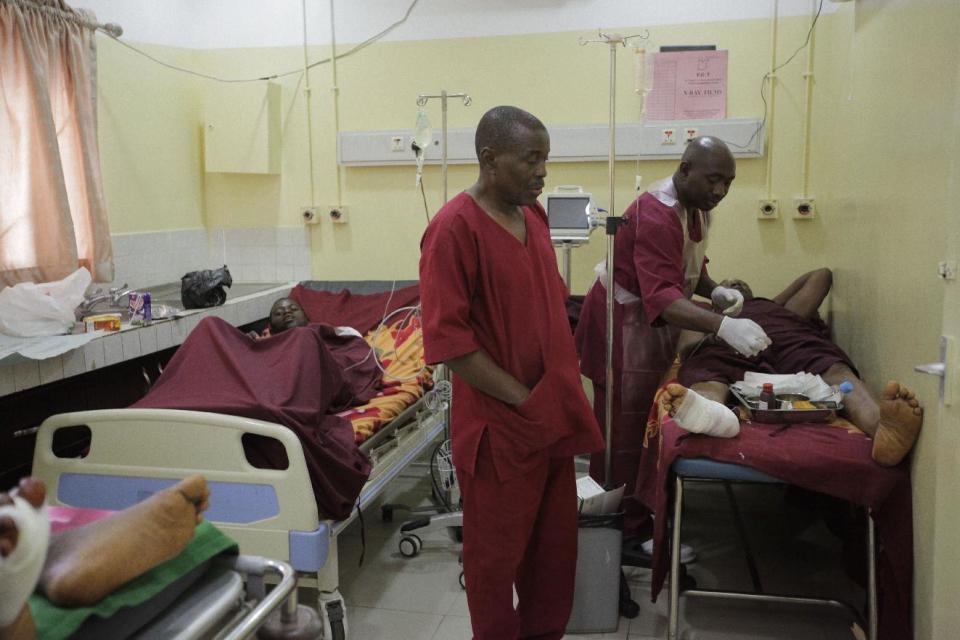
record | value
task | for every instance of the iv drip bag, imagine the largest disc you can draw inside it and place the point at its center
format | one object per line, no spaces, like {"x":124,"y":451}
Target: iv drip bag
{"x":422,"y":138}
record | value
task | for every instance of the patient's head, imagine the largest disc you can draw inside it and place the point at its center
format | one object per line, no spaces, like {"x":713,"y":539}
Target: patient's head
{"x":740,"y":286}
{"x":286,"y":314}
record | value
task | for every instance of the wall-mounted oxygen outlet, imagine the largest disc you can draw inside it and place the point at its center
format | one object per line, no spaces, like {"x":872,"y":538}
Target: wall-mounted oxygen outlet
{"x":803,"y":208}
{"x":689,"y":133}
{"x":309,"y":215}
{"x":668,"y":136}
{"x":768,"y":210}
{"x":338,"y":213}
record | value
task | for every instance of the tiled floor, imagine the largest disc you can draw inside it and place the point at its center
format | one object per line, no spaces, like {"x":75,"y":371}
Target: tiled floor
{"x":392,"y":597}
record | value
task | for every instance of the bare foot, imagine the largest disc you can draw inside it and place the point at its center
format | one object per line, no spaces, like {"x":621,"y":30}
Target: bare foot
{"x":901,"y":417}
{"x":86,"y":564}
{"x":673,"y":399}
{"x":34,"y":492}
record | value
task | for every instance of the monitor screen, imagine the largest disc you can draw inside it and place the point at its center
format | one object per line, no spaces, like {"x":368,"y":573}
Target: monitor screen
{"x":569,"y":212}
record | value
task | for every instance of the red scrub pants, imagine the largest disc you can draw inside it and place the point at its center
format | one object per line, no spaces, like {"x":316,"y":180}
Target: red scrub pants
{"x":520,"y":532}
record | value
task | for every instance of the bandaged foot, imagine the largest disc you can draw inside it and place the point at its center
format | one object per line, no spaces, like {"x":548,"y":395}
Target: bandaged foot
{"x":24,"y":532}
{"x":901,"y":417}
{"x":86,"y":564}
{"x":697,"y":414}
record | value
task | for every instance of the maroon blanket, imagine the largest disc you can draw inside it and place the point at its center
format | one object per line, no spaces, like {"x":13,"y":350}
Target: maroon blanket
{"x":821,"y":458}
{"x":291,"y":379}
{"x":345,"y":309}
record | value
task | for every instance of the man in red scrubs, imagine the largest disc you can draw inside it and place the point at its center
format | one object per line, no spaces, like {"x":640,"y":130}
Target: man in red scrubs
{"x":493,"y":312}
{"x":659,"y":263}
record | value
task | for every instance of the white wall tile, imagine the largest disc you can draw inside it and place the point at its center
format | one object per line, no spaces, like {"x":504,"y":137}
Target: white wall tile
{"x":51,"y":370}
{"x":94,"y":355}
{"x":8,"y":382}
{"x":73,"y":363}
{"x":148,"y":339}
{"x":26,"y":374}
{"x":164,"y":335}
{"x":112,"y":349}
{"x":130,"y":343}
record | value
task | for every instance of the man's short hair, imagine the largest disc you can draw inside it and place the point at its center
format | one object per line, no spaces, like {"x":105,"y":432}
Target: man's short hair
{"x":498,"y":127}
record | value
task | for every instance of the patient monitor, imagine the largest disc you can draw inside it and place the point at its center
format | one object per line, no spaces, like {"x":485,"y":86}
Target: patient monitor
{"x":571,"y":219}
{"x":569,"y":214}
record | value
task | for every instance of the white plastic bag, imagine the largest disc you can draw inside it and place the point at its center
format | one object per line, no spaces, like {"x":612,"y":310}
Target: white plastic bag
{"x":28,"y":310}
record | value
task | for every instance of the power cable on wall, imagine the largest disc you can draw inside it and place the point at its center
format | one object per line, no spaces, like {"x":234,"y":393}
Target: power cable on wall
{"x":769,"y":75}
{"x":356,"y":49}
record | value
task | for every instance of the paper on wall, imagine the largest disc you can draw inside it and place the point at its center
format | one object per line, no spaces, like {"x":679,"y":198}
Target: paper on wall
{"x":688,"y":85}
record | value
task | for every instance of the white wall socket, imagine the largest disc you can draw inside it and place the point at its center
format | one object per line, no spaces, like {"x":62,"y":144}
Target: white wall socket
{"x":309,"y":215}
{"x":803,"y":208}
{"x":396,"y":143}
{"x":338,"y":213}
{"x":689,"y":133}
{"x":668,"y":136}
{"x":768,"y":209}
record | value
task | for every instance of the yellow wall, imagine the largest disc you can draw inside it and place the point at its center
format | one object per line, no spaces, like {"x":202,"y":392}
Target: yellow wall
{"x":885,"y":149}
{"x":149,"y":139}
{"x":884,"y":84}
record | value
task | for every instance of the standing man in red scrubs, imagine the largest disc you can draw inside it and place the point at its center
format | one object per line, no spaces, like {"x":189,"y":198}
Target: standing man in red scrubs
{"x":659,"y":263}
{"x":493,"y":312}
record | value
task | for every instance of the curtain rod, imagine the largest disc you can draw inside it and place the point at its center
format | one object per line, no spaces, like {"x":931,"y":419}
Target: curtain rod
{"x":79,"y":17}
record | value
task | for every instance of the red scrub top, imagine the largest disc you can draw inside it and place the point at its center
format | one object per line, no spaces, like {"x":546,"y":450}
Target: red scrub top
{"x":482,"y":289}
{"x":648,"y":255}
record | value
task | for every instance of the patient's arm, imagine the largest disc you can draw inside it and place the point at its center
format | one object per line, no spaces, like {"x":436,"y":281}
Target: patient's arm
{"x":806,"y":293}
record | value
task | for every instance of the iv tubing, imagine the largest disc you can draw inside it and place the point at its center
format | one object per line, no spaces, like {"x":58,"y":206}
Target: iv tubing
{"x":773,"y":95}
{"x":808,"y":105}
{"x":306,"y":93}
{"x":336,"y":102}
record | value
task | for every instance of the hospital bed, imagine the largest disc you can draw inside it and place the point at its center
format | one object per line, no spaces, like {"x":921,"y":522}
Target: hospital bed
{"x":269,"y":512}
{"x":831,"y":458}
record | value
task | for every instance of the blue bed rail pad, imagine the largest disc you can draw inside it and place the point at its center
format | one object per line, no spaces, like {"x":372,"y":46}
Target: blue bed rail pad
{"x":230,"y":502}
{"x":713,"y":470}
{"x":309,"y":549}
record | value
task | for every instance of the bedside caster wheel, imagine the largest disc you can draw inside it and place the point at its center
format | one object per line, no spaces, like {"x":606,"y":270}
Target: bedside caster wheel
{"x":410,"y":546}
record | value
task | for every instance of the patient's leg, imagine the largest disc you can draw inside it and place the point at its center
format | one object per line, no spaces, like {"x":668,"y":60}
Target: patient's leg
{"x":894,"y":422}
{"x":22,"y":548}
{"x":87,"y":563}
{"x":701,"y":412}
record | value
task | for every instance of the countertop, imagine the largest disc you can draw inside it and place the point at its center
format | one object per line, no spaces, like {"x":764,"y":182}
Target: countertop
{"x":246,"y":303}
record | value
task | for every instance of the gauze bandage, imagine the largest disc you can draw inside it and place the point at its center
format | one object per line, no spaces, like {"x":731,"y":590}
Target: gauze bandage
{"x":702,"y":415}
{"x":20,"y":570}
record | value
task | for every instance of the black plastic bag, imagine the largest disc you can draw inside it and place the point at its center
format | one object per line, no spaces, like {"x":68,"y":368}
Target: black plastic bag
{"x":200,"y":289}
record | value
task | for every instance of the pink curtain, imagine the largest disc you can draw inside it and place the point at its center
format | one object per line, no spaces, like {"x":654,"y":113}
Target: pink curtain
{"x":53,"y":218}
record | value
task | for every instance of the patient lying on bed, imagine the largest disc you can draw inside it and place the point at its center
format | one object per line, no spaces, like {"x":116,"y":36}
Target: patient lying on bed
{"x":800,"y":343}
{"x":81,"y":566}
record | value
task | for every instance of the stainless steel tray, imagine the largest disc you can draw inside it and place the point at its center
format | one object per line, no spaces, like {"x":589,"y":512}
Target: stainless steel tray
{"x":824,"y":411}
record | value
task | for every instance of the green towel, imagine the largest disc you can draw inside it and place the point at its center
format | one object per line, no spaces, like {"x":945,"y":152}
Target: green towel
{"x":56,"y":623}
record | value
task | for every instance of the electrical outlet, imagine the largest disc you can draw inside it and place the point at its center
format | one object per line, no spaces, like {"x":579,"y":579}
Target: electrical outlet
{"x":768,"y":209}
{"x":689,"y":133}
{"x":668,"y":136}
{"x":803,"y":208}
{"x":338,"y":213}
{"x":396,"y":143}
{"x":309,"y":215}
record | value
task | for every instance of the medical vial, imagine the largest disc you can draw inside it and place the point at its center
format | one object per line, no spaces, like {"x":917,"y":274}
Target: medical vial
{"x":768,"y":400}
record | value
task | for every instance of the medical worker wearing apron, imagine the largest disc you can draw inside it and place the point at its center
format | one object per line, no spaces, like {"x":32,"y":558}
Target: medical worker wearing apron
{"x":659,"y":263}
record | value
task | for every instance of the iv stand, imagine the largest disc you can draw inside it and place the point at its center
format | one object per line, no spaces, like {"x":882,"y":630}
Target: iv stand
{"x":422,"y":100}
{"x":612,"y":222}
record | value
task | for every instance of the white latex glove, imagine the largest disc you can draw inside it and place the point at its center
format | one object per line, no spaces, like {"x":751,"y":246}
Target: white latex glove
{"x":746,"y":336}
{"x":729,"y":301}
